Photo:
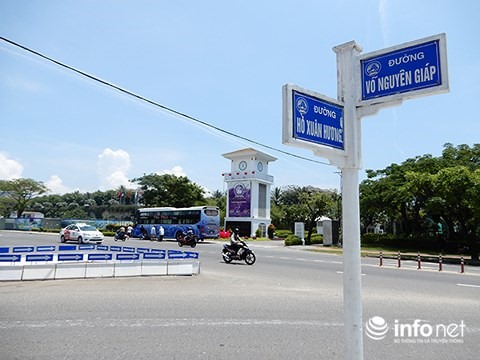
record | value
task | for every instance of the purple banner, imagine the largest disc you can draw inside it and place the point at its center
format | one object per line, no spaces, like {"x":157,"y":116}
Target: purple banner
{"x":239,"y":199}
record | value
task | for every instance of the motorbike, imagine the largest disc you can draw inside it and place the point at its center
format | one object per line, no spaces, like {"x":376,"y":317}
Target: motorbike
{"x":243,"y":254}
{"x":188,"y":240}
{"x":120,"y":236}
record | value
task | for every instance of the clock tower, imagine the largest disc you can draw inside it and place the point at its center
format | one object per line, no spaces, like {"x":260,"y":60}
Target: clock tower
{"x":248,"y":196}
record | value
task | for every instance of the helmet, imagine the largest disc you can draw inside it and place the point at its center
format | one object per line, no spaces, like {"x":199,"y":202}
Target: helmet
{"x":236,"y":230}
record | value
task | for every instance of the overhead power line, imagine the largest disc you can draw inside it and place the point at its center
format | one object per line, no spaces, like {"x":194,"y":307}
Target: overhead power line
{"x":154,"y":103}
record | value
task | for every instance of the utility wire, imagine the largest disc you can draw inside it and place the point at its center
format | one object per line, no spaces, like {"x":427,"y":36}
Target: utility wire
{"x":154,"y":103}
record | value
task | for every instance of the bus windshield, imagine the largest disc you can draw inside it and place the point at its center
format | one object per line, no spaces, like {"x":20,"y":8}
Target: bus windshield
{"x":203,"y":220}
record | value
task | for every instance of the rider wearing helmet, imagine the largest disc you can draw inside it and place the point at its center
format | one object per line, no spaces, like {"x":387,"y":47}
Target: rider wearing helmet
{"x":235,"y":241}
{"x":189,"y":234}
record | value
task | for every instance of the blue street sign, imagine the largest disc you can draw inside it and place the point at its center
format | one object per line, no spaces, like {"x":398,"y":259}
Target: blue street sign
{"x":317,"y":120}
{"x":18,"y":249}
{"x":10,"y":258}
{"x":160,"y":251}
{"x":191,"y":255}
{"x":45,"y":248}
{"x":67,"y":248}
{"x":142,"y":250}
{"x":102,"y":247}
{"x":115,"y":248}
{"x":40,"y":257}
{"x":100,"y":256}
{"x":70,"y":257}
{"x":128,"y":249}
{"x":4,"y":249}
{"x":128,"y":256}
{"x":404,"y":70}
{"x":86,"y":247}
{"x":154,"y":256}
{"x":176,"y":254}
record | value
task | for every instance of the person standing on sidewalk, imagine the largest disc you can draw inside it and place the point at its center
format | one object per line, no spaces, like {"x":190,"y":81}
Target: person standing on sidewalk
{"x":153,"y":233}
{"x":161,"y":232}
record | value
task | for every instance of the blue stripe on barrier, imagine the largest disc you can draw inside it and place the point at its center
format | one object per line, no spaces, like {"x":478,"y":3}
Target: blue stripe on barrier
{"x":45,"y":248}
{"x":100,"y":256}
{"x":40,"y":257}
{"x":10,"y":258}
{"x":127,"y":256}
{"x":70,"y":257}
{"x":67,"y":248}
{"x":18,"y":249}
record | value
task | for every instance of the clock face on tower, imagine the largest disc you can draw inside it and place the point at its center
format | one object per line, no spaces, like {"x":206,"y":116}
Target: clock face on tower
{"x":260,"y":166}
{"x":242,"y":165}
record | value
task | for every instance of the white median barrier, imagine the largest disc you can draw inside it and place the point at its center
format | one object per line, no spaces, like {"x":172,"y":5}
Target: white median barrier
{"x":11,"y":272}
{"x":100,"y":270}
{"x":154,"y":268}
{"x":127,"y":269}
{"x":42,"y":266}
{"x":179,"y":268}
{"x":196,"y":267}
{"x":70,"y":271}
{"x":38,"y":272}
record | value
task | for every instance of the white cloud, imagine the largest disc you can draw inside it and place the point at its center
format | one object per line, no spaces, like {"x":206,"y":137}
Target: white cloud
{"x":55,"y":185}
{"x":113,"y":167}
{"x":176,"y":170}
{"x":9,"y":169}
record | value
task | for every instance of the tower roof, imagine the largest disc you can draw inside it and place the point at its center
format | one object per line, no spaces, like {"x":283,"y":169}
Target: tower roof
{"x":248,"y":152}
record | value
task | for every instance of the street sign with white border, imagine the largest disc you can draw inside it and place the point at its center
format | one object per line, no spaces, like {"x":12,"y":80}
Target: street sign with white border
{"x":412,"y":69}
{"x":312,"y":120}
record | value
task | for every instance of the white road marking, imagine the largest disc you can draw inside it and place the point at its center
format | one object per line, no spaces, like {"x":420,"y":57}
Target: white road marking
{"x":469,"y":285}
{"x":341,"y":272}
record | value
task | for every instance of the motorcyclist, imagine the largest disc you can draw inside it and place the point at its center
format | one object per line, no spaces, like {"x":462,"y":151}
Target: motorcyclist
{"x":189,"y":232}
{"x":235,"y":241}
{"x":121,"y":233}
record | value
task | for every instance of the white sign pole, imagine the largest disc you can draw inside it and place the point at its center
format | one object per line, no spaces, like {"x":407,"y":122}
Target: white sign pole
{"x":348,"y":76}
{"x":423,"y":71}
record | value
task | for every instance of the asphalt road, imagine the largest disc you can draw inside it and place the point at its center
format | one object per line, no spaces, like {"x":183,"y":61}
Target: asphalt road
{"x":288,"y":305}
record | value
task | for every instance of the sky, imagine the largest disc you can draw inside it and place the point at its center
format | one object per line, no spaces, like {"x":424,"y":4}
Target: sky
{"x":223,"y":63}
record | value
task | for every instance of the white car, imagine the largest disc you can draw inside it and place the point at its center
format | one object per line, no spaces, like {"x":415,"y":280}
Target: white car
{"x":83,"y":233}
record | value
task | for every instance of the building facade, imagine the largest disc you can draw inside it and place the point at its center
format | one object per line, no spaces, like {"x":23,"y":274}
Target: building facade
{"x":248,"y":191}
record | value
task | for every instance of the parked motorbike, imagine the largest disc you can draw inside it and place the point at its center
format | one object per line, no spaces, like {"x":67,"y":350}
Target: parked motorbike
{"x":188,"y":240}
{"x":120,"y":236}
{"x":243,"y":254}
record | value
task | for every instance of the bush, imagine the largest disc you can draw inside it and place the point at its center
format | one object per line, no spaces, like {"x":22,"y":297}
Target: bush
{"x":293,"y":240}
{"x":398,"y":242}
{"x":316,"y":239}
{"x":271,"y":231}
{"x":282,"y":234}
{"x":113,"y":227}
{"x":258,"y":233}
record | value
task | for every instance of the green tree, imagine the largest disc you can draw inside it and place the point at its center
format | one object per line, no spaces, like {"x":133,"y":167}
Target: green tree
{"x":426,"y":191}
{"x":170,"y":190}
{"x":21,"y":192}
{"x":303,"y":204}
{"x":457,"y":190}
